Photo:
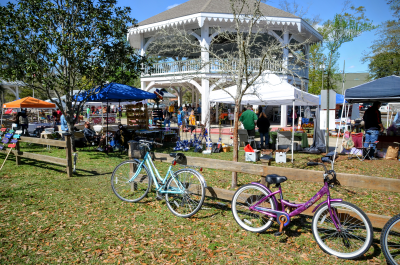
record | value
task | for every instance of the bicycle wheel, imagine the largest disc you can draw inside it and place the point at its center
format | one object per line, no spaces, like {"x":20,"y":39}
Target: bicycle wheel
{"x":245,"y":197}
{"x":355,"y":235}
{"x":130,"y":191}
{"x":390,"y":240}
{"x":188,"y":203}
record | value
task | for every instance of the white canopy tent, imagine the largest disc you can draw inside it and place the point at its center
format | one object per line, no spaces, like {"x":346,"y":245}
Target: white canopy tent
{"x":269,"y":89}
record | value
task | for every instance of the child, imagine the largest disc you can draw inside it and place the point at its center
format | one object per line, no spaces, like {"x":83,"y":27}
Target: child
{"x":180,"y":116}
{"x":192,"y":122}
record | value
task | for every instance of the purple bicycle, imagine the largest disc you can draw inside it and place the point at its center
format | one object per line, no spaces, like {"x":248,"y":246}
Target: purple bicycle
{"x":340,"y":228}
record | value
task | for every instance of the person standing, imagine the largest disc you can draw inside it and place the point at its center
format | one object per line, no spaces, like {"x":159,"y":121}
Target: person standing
{"x":263,"y":127}
{"x":198,"y":109}
{"x":64,"y":124}
{"x":120,"y":112}
{"x":59,"y":113}
{"x":88,"y":112}
{"x":192,"y":122}
{"x":249,"y":119}
{"x":167,"y":117}
{"x":373,"y":125}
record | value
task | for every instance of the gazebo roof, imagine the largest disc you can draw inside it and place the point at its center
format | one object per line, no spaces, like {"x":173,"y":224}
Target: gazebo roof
{"x":209,"y":6}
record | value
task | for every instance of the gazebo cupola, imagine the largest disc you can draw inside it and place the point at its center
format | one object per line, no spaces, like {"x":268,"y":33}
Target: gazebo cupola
{"x":201,"y":17}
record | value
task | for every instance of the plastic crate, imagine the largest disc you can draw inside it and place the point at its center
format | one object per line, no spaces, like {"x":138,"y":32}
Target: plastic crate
{"x":252,"y":156}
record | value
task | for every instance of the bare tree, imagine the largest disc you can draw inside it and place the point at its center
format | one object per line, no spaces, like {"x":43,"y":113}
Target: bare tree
{"x":241,"y":52}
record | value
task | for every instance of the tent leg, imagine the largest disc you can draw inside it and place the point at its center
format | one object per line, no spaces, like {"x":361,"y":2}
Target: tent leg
{"x":293,"y":110}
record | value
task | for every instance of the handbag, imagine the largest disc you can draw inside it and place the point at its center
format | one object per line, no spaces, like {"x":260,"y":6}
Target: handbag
{"x":392,"y":153}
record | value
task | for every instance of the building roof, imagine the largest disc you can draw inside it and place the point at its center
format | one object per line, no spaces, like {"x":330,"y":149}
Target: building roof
{"x":210,"y":6}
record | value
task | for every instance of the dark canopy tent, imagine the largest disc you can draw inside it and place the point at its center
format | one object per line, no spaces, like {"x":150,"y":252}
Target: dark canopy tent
{"x":385,"y":89}
{"x":114,"y":92}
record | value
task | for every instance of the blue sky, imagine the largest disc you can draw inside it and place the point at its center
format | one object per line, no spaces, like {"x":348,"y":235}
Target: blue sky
{"x":377,"y":10}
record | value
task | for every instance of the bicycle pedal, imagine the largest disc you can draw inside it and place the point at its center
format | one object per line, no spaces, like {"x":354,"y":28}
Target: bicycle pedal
{"x":278,"y":233}
{"x":159,"y":197}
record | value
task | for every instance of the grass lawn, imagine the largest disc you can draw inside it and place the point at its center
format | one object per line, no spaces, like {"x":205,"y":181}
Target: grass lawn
{"x":50,"y":218}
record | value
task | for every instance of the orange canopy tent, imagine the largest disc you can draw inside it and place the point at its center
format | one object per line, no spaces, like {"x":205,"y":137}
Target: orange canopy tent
{"x":29,"y":102}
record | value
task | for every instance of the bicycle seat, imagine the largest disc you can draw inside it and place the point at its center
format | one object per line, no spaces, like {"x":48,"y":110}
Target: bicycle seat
{"x":275,"y":179}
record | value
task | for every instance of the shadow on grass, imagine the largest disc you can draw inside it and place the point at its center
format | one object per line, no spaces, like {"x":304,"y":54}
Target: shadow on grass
{"x":61,"y":169}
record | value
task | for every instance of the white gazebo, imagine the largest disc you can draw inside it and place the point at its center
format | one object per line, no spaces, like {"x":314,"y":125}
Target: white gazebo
{"x":199,"y":18}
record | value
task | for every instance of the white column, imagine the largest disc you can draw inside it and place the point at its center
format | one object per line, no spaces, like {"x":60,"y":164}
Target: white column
{"x":205,"y":83}
{"x":283,"y":115}
{"x":179,"y":96}
{"x":142,"y":53}
{"x":285,"y":50}
{"x":307,"y":50}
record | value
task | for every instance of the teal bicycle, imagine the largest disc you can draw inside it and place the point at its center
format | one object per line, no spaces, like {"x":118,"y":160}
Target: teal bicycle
{"x":184,"y":189}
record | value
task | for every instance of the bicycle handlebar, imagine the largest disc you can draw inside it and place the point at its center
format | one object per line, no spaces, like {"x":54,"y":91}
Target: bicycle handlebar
{"x":330,"y":172}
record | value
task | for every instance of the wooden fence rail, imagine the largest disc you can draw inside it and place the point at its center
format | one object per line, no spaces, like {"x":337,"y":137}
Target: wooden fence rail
{"x":49,"y":159}
{"x":359,"y":181}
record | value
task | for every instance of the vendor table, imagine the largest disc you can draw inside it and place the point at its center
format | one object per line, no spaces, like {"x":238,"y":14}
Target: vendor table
{"x":97,"y":119}
{"x":385,"y":141}
{"x":298,"y":136}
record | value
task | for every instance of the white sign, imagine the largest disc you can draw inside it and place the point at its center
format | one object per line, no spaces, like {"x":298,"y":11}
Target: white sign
{"x":324,"y":99}
{"x":322,"y":120}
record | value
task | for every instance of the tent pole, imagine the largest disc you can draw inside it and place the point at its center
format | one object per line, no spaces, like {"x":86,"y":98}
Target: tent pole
{"x":337,"y":138}
{"x":387,"y":116}
{"x":292,"y":129}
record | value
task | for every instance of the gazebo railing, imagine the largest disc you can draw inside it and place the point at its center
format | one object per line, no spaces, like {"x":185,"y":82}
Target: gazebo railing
{"x":218,"y":66}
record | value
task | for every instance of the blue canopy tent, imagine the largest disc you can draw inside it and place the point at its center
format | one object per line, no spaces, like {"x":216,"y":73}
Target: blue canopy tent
{"x":339,"y":99}
{"x":114,"y":92}
{"x":385,"y":89}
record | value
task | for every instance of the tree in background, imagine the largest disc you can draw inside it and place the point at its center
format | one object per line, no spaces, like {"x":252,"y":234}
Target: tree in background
{"x":249,"y":52}
{"x":58,"y":46}
{"x":384,"y":58}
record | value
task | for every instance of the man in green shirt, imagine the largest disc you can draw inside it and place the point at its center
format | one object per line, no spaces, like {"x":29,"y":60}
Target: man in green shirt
{"x":249,"y":119}
{"x":88,"y":112}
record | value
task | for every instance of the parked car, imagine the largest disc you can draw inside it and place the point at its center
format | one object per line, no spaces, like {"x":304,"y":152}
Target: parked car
{"x":384,"y":108}
{"x":365,"y":106}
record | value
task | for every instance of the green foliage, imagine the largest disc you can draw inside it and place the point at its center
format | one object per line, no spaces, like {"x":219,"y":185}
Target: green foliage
{"x":66,"y":45}
{"x":343,"y":28}
{"x":384,"y":58}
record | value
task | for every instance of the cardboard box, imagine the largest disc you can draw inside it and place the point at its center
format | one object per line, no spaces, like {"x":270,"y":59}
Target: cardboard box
{"x":252,"y":156}
{"x":226,"y":149}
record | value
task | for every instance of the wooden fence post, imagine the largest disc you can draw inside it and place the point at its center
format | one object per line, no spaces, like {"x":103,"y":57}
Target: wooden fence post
{"x":68,"y":148}
{"x":17,"y":157}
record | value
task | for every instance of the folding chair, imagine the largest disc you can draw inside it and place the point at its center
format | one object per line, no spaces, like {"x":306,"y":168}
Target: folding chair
{"x":283,"y":138}
{"x":243,"y":137}
{"x":359,"y":151}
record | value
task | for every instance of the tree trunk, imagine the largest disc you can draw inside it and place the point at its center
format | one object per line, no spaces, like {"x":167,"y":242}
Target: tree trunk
{"x":235,"y":143}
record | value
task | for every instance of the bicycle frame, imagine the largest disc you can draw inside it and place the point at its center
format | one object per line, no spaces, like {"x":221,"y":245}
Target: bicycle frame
{"x":152,"y":168}
{"x":299,"y":207}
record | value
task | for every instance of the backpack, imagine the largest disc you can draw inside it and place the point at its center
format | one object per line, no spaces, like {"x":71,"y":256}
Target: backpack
{"x":23,"y":120}
{"x":216,"y":148}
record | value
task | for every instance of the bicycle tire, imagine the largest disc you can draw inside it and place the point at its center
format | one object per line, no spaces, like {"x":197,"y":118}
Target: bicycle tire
{"x":251,"y":220}
{"x":391,"y":233}
{"x":356,"y":233}
{"x":130,"y":191}
{"x":187,"y":204}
